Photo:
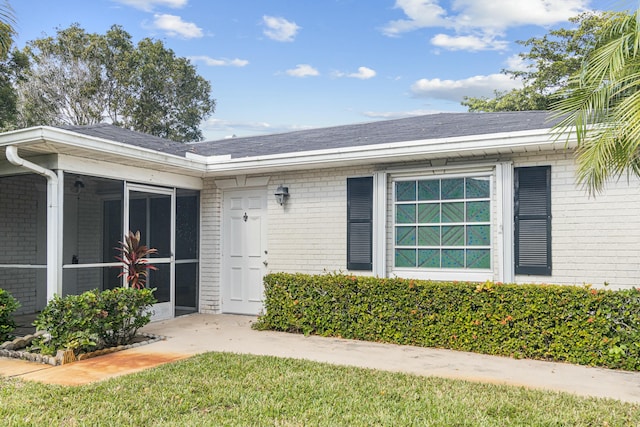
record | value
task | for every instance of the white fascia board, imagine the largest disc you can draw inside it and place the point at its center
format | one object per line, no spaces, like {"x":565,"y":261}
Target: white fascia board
{"x":377,"y":153}
{"x":46,"y":134}
{"x":139,"y":174}
{"x":207,"y":159}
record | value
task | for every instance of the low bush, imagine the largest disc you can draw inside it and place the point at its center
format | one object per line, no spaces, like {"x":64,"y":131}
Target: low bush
{"x":93,"y":320}
{"x":8,"y":304}
{"x":550,"y":322}
{"x":124,"y":311}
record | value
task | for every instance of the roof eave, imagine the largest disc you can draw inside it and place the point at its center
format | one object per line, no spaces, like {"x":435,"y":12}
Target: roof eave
{"x":52,"y":135}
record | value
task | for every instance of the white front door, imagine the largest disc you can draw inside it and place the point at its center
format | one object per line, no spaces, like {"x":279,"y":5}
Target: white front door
{"x":244,"y":251}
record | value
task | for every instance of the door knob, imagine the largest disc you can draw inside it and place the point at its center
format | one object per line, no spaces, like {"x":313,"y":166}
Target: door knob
{"x":265,"y":262}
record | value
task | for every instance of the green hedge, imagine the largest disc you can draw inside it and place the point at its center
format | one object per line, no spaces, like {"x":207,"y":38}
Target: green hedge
{"x":549,"y":322}
{"x":8,"y":304}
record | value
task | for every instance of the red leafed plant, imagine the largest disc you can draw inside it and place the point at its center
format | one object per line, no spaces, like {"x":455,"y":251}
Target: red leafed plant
{"x":134,"y":257}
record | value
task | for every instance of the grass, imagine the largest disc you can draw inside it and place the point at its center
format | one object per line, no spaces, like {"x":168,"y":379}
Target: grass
{"x":240,"y":390}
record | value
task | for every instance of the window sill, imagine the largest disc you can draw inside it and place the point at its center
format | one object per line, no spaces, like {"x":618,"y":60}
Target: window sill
{"x":444,"y":274}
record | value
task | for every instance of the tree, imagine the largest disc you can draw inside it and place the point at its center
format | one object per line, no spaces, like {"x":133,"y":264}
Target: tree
{"x":65,"y":85}
{"x":169,"y":100}
{"x":602,"y":105}
{"x":7,"y":20}
{"x":550,"y":61}
{"x":78,"y":78}
{"x":11,"y":66}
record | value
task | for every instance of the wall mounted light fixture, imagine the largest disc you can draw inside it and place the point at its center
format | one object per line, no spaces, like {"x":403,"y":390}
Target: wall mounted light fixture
{"x":282,"y":193}
{"x":78,"y":185}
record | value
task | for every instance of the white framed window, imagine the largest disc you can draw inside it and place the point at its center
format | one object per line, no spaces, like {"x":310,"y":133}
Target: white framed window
{"x":443,"y":223}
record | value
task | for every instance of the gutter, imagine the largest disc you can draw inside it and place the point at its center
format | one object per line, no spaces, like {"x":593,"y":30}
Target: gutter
{"x":54,"y":273}
{"x":16,"y":160}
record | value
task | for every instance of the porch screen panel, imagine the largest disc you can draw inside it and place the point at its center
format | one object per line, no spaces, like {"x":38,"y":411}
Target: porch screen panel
{"x":112,"y":235}
{"x":187,"y":225}
{"x":533,"y":220}
{"x":360,"y":223}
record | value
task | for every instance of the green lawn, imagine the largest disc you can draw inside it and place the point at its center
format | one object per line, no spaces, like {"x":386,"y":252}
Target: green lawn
{"x":226,"y":389}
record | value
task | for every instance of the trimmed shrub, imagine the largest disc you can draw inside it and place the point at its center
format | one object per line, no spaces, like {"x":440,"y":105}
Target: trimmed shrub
{"x":124,"y":311}
{"x":8,"y":304}
{"x":549,"y":322}
{"x":69,"y":322}
{"x":93,"y":320}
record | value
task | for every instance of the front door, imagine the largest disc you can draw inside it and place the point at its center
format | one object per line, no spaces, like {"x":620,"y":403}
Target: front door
{"x":151,"y":211}
{"x":244,"y":247}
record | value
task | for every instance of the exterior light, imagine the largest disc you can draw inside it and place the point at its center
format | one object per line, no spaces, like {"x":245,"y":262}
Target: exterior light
{"x":78,"y":185}
{"x":281,"y":194}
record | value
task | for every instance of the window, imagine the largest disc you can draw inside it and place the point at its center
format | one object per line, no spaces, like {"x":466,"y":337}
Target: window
{"x":533,"y":220}
{"x":360,"y":223}
{"x":443,"y":223}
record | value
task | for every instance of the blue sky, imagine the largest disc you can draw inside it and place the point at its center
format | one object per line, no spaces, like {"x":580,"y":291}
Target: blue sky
{"x":282,"y":65}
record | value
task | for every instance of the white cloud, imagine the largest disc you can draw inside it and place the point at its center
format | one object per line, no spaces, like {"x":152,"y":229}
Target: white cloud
{"x":364,"y":73}
{"x":149,"y":5}
{"x":470,"y":43}
{"x":222,"y":62}
{"x":215,"y":128}
{"x":495,"y":15}
{"x":516,"y":63}
{"x":490,"y":19}
{"x":502,"y":14}
{"x":421,"y":14}
{"x":220,"y":124}
{"x":174,"y":26}
{"x":303,"y":70}
{"x":280,"y":29}
{"x":456,"y":90}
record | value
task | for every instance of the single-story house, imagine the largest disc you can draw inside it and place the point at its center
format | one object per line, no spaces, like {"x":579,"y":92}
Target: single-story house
{"x":460,"y":196}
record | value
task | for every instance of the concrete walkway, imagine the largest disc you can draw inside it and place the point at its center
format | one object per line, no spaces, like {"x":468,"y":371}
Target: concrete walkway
{"x":198,"y":333}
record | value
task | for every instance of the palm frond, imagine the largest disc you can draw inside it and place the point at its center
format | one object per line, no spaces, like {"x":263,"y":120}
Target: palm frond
{"x":601,"y":105}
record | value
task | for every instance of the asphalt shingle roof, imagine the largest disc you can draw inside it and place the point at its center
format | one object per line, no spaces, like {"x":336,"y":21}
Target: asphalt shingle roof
{"x":433,"y":126}
{"x":126,"y":136}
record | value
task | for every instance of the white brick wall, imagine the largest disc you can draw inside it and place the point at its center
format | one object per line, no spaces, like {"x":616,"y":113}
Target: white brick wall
{"x":210,"y":222}
{"x":594,"y":239}
{"x":308,"y":234}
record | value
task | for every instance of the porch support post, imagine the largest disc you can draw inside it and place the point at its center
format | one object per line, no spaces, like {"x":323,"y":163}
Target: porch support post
{"x":55,"y":226}
{"x":54,"y":268}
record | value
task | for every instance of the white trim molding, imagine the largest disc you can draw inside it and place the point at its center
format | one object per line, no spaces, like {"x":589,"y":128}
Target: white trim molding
{"x":379,"y":224}
{"x":504,"y":199}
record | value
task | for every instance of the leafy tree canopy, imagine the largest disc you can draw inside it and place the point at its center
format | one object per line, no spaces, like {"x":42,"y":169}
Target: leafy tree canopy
{"x":7,"y":20}
{"x":80,"y":78}
{"x":549,"y":62}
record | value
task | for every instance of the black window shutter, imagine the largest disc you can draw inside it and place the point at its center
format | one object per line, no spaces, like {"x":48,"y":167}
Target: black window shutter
{"x":533,"y":220}
{"x":360,"y":223}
